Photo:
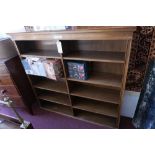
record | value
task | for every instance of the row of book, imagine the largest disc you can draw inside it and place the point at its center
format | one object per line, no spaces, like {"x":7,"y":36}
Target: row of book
{"x":50,"y":68}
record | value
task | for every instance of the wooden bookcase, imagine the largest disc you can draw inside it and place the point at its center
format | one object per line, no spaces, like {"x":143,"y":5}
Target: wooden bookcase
{"x":96,"y":100}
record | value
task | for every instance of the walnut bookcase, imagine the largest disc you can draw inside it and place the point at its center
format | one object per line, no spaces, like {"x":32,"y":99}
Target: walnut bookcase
{"x":96,"y":100}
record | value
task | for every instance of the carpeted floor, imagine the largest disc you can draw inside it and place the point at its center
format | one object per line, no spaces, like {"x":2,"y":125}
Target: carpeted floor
{"x":48,"y":120}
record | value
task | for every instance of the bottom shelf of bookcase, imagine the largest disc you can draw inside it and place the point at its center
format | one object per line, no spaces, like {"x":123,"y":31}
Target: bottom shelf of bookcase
{"x":54,"y":107}
{"x":97,"y":119}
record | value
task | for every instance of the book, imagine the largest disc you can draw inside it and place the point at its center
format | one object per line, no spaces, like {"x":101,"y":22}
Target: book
{"x":27,"y":66}
{"x":53,"y":68}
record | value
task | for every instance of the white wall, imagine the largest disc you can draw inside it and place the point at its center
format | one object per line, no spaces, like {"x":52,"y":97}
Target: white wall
{"x":130,"y":97}
{"x":129,"y":103}
{"x":10,"y":29}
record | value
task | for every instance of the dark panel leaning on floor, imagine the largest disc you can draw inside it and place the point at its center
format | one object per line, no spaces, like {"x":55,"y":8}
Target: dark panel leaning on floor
{"x":20,"y":78}
{"x":145,"y":112}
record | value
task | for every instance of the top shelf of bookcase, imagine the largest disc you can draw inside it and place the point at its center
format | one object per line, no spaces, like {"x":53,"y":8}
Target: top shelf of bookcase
{"x":100,"y":56}
{"x":42,"y":54}
{"x":108,"y":33}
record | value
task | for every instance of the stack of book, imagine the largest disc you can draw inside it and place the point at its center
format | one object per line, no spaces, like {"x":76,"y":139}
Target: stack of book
{"x":53,"y":68}
{"x":50,"y":68}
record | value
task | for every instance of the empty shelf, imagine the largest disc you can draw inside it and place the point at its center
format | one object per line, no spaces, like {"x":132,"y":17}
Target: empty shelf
{"x":65,"y":110}
{"x":96,"y":107}
{"x":113,"y":57}
{"x":97,"y":93}
{"x":56,"y":98}
{"x":105,"y":79}
{"x":42,"y":54}
{"x":51,"y":85}
{"x":96,"y":118}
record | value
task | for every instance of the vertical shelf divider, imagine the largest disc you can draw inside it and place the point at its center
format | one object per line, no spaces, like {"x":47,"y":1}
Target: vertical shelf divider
{"x":66,"y":81}
{"x":125,"y":70}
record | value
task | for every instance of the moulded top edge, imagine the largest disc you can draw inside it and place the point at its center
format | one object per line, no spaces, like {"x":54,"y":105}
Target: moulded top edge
{"x":106,"y":29}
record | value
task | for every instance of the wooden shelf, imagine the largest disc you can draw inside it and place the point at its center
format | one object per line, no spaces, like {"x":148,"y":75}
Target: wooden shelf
{"x":42,"y":54}
{"x":96,"y":93}
{"x":105,"y":79}
{"x":57,"y":108}
{"x":51,"y":85}
{"x":56,"y":98}
{"x":111,"y":57}
{"x":96,"y":118}
{"x":33,"y":78}
{"x":106,"y":52}
{"x":96,"y":107}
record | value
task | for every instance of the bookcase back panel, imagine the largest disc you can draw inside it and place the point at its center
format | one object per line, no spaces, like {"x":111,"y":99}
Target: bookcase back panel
{"x":95,"y":45}
{"x":100,"y":67}
{"x":96,"y":92}
{"x":51,"y":106}
{"x":97,"y":107}
{"x":26,"y":46}
{"x":48,"y":84}
{"x":107,"y":68}
{"x":99,"y":119}
{"x":53,"y":96}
